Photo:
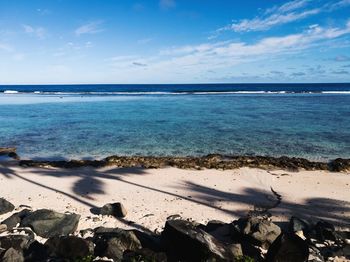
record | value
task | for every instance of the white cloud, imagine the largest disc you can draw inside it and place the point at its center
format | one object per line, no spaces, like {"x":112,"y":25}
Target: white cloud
{"x":279,"y":15}
{"x":39,"y":32}
{"x":339,"y":4}
{"x":260,"y":24}
{"x":192,"y":60}
{"x":167,"y":4}
{"x":89,"y":28}
{"x":288,"y":7}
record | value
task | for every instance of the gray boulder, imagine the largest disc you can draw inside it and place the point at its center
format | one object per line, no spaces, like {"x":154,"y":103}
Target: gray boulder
{"x":48,"y":223}
{"x":256,"y":230}
{"x":5,"y":206}
{"x":15,"y":219}
{"x":36,"y":252}
{"x":12,"y":255}
{"x":3,"y":228}
{"x":114,"y":209}
{"x":70,"y":247}
{"x":288,"y":248}
{"x":184,"y":240}
{"x":144,"y":255}
{"x":296,"y":224}
{"x":113,"y":242}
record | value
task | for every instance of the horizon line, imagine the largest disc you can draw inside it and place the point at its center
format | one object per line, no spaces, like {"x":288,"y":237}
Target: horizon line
{"x":172,"y":84}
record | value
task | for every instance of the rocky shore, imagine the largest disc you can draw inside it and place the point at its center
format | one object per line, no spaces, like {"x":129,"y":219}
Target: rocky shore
{"x":212,"y":161}
{"x":206,"y":162}
{"x":46,"y":235}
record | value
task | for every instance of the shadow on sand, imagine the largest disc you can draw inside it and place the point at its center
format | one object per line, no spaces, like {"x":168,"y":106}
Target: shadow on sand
{"x":91,"y":181}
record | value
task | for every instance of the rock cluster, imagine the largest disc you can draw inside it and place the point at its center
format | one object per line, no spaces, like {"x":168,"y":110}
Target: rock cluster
{"x":9,"y":151}
{"x":209,"y":162}
{"x":252,"y":238}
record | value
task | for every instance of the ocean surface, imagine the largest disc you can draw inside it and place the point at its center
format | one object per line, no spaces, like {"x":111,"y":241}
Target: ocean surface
{"x":95,"y":121}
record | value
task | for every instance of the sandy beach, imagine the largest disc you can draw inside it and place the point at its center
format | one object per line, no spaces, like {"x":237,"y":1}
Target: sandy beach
{"x":152,"y":195}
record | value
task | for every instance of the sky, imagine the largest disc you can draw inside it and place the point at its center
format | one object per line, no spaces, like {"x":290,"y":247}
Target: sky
{"x":174,"y":41}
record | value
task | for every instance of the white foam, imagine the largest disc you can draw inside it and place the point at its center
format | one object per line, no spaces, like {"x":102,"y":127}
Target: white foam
{"x":336,"y":92}
{"x":10,"y":92}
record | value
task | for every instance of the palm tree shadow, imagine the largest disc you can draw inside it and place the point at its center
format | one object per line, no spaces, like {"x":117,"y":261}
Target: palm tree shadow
{"x":6,"y":171}
{"x":92,"y":181}
{"x":332,"y":210}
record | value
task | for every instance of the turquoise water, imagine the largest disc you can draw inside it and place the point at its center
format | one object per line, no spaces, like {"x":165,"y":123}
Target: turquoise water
{"x":315,"y":126}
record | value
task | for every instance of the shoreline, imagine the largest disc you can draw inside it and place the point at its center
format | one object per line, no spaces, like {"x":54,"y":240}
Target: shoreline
{"x":212,"y":161}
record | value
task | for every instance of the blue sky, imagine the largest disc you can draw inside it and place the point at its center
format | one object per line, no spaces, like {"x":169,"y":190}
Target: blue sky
{"x":174,"y":41}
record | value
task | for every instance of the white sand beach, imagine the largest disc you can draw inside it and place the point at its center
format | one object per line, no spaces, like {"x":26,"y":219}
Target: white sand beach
{"x":151,"y":195}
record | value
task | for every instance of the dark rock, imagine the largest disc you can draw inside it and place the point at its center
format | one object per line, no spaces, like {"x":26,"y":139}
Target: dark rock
{"x":47,"y":223}
{"x":297,"y":224}
{"x":144,"y":254}
{"x":3,"y":228}
{"x":2,"y":251}
{"x":288,"y":248}
{"x":36,"y":252}
{"x":18,"y":242}
{"x":222,"y":233}
{"x":209,"y":161}
{"x":113,"y":242}
{"x":325,"y":231}
{"x":258,"y":231}
{"x":339,"y":165}
{"x":343,"y":234}
{"x":235,"y":250}
{"x":71,"y":247}
{"x":5,"y":206}
{"x":173,"y":217}
{"x":15,"y":219}
{"x":315,"y":255}
{"x":114,"y":209}
{"x":149,"y":240}
{"x":7,"y":150}
{"x":12,"y":255}
{"x":212,"y":225}
{"x":344,"y":251}
{"x":251,"y":251}
{"x":14,"y":155}
{"x":185,"y":241}
{"x":10,"y":152}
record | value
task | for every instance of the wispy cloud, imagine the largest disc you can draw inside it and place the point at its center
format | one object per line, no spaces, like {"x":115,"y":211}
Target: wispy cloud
{"x":139,"y":64}
{"x":342,"y":58}
{"x":89,"y":28}
{"x":39,"y":32}
{"x":144,"y":41}
{"x":341,"y":72}
{"x":6,"y":47}
{"x":279,"y":15}
{"x":223,"y":56}
{"x":167,"y":4}
{"x":43,"y":11}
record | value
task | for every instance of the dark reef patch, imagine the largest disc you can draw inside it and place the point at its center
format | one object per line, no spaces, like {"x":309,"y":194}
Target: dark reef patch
{"x":213,"y":161}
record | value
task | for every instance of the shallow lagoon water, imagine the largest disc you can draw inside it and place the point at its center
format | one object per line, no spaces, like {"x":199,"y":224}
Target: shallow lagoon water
{"x":314,"y":126}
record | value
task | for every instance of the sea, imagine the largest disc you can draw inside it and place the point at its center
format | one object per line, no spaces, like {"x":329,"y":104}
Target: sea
{"x":51,"y":122}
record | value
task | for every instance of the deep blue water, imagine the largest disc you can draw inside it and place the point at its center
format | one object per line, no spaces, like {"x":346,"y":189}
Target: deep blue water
{"x":184,"y":88}
{"x":176,"y":121}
